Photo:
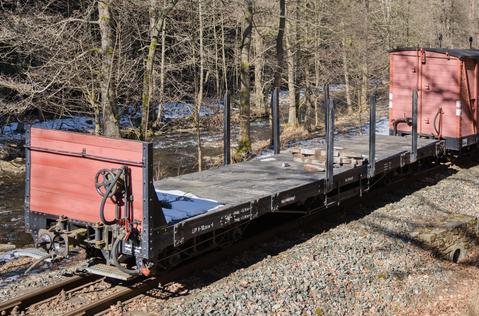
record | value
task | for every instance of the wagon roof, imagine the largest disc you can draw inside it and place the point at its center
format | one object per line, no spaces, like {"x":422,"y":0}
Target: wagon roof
{"x":459,"y":53}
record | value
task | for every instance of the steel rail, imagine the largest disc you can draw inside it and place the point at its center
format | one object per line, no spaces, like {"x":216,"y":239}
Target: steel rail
{"x":40,"y":294}
{"x":120,"y":293}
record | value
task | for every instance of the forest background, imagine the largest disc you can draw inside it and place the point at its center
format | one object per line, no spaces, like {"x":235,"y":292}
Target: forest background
{"x":104,"y":58}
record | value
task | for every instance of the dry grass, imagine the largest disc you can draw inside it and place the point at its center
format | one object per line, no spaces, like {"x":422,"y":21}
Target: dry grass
{"x":12,"y":168}
{"x":287,"y":134}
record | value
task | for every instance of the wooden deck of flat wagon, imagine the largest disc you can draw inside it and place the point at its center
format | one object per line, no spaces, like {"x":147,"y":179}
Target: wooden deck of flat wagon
{"x":248,"y":190}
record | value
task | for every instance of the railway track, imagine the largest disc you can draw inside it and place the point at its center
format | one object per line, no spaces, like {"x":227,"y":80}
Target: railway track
{"x":129,"y":290}
{"x":35,"y":296}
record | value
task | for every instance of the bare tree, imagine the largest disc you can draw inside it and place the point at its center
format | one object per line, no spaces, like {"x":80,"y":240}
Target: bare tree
{"x":157,"y":14}
{"x":291,"y":33}
{"x":279,"y":44}
{"x":102,"y":59}
{"x":199,"y":97}
{"x":258,"y":72}
{"x":244,"y":145}
{"x":107,"y":83}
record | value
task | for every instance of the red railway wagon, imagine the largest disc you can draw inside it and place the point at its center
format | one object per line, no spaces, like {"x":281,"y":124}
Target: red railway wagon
{"x":447,"y":85}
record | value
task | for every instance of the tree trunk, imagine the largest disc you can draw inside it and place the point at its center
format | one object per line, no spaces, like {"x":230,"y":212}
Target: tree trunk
{"x":387,"y":21}
{"x":364,"y":66}
{"x":306,"y":62}
{"x":157,"y":23}
{"x":148,"y":73}
{"x":199,"y":98}
{"x":244,"y":145}
{"x":237,"y":61}
{"x":308,"y":102}
{"x":107,"y":81}
{"x":364,"y":87}
{"x":90,"y":97}
{"x":161,"y":92}
{"x":97,"y":120}
{"x":258,"y":73}
{"x":279,"y":44}
{"x":292,"y":113}
{"x":349,"y":103}
{"x":215,"y":38}
{"x":344,"y":54}
{"x":223,"y":52}
{"x":408,"y":13}
{"x":317,"y":67}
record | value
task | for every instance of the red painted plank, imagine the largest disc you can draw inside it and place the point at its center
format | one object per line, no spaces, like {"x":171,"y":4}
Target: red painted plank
{"x":64,"y":185}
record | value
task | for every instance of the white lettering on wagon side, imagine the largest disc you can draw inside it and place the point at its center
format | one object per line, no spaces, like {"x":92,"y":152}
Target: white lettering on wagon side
{"x":236,"y":216}
{"x":201,"y":228}
{"x":289,"y":199}
{"x":351,"y":178}
{"x":242,"y":214}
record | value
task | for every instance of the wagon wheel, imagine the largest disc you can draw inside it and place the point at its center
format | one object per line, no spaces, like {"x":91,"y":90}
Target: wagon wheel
{"x":174,"y":260}
{"x":236,"y":234}
{"x":45,"y":241}
{"x":60,"y":245}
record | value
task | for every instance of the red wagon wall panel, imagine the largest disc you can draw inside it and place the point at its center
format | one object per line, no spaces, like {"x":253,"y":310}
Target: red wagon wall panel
{"x":439,"y":91}
{"x":447,"y":84}
{"x":63,"y":166}
{"x":468,"y":124}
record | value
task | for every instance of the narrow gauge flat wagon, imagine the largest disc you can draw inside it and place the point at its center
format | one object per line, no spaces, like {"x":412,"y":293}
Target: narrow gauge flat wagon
{"x":99,"y":193}
{"x":447,"y":83}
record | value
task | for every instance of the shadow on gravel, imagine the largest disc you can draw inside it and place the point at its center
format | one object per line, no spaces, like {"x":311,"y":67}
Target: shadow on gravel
{"x":437,"y":252}
{"x":463,"y":234}
{"x":313,"y":225}
{"x":470,"y":235}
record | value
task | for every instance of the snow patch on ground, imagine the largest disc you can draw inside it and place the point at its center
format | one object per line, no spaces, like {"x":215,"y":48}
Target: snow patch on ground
{"x":7,"y":256}
{"x":74,"y":123}
{"x":178,"y":110}
{"x":130,"y":117}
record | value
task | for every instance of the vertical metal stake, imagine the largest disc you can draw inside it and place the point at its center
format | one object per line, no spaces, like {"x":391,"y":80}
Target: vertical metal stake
{"x":414,"y":127}
{"x":326,"y":98}
{"x":329,"y":144}
{"x":276,"y":126}
{"x":227,"y":130}
{"x":372,"y":137}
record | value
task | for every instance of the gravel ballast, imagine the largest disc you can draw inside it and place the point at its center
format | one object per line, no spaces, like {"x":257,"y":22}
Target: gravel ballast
{"x":372,"y":265}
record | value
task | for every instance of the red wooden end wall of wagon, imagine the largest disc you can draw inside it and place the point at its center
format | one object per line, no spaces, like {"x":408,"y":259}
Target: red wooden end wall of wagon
{"x":63,"y":168}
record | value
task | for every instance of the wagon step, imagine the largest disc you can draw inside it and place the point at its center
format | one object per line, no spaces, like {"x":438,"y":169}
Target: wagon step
{"x":109,"y":272}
